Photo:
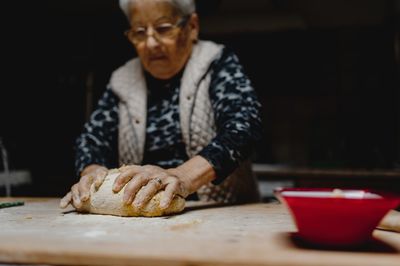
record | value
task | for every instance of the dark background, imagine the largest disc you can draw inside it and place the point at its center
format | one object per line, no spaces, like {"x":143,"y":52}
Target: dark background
{"x":326,"y":72}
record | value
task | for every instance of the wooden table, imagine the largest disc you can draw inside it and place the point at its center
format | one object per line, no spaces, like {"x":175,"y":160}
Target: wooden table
{"x":255,"y":234}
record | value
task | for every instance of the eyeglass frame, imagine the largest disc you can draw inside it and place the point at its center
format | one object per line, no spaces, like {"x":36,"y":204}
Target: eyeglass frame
{"x":182,"y":21}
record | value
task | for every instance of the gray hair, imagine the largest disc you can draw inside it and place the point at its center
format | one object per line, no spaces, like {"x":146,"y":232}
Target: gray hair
{"x":185,"y":7}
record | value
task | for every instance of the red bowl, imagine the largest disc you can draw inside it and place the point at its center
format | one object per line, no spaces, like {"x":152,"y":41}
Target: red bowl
{"x":336,"y":217}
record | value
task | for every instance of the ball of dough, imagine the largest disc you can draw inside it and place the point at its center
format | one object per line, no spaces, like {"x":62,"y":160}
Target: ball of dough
{"x":105,"y":201}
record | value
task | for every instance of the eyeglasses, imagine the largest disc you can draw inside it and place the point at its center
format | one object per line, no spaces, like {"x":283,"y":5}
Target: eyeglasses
{"x":160,"y":32}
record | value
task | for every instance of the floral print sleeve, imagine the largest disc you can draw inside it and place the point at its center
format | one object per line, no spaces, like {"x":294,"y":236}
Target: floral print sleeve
{"x":98,"y":141}
{"x":237,"y":115}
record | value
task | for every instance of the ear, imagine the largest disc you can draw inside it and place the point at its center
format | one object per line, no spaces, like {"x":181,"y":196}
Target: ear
{"x":194,"y":27}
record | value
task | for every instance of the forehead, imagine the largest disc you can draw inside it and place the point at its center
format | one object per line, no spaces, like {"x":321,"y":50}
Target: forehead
{"x":151,"y":10}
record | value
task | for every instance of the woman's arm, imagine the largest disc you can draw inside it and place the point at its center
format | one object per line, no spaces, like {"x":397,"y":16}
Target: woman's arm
{"x":194,"y":173}
{"x":237,"y":116}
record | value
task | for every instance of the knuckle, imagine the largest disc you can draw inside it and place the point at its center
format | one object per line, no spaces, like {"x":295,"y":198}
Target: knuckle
{"x":148,"y":188}
{"x":123,"y":176}
{"x":86,"y":177}
{"x":136,"y":180}
{"x":133,"y":186}
{"x":147,"y":166}
{"x":131,"y":166}
{"x":170,"y":189}
{"x":129,"y":188}
{"x":139,"y":177}
{"x":143,"y":178}
{"x":173,"y":190}
{"x":99,"y":179}
{"x":150,"y":168}
{"x":176,"y":187}
{"x":100,"y":174}
{"x":83,"y":178}
{"x":74,"y":187}
{"x":152,"y":186}
{"x":84,"y":186}
{"x":174,"y":182}
{"x":124,"y":170}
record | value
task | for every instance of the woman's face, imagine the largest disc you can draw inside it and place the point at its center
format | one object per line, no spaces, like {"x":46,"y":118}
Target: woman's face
{"x":162,"y":56}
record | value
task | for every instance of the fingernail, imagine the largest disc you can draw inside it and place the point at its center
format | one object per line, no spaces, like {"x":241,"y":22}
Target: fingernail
{"x":84,"y":197}
{"x":126,"y":199}
{"x":77,"y":204}
{"x":163,"y":204}
{"x":77,"y":199}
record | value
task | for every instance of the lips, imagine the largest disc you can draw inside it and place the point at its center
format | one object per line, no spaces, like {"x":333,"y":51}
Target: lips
{"x":157,"y":57}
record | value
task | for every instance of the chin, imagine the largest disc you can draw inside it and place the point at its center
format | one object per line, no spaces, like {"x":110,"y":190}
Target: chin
{"x":160,"y":70}
{"x":159,"y":75}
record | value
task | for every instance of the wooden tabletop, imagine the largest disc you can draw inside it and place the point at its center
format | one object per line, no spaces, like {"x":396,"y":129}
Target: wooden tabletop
{"x":255,"y":234}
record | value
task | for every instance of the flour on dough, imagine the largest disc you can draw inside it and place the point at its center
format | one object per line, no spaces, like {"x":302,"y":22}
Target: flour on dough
{"x":105,"y":201}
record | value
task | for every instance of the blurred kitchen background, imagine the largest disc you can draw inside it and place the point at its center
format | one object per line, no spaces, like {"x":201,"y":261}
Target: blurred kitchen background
{"x":326,"y":71}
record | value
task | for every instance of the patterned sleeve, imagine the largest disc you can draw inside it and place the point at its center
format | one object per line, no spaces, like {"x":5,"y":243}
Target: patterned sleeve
{"x":237,"y":115}
{"x":98,"y":142}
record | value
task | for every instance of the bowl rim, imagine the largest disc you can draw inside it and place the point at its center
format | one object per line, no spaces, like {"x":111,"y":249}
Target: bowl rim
{"x":385,"y":195}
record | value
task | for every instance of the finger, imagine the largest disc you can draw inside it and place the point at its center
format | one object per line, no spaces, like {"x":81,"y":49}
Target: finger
{"x":84,"y":187}
{"x":152,"y":168}
{"x":76,"y":202}
{"x":146,"y":193}
{"x":134,"y":186}
{"x":170,"y":191}
{"x":126,"y":175}
{"x":130,"y":167}
{"x":65,"y":200}
{"x":124,"y":167}
{"x":179,"y":186}
{"x":99,"y":179}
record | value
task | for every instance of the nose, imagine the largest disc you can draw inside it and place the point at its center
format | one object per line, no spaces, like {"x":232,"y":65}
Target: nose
{"x":151,"y":40}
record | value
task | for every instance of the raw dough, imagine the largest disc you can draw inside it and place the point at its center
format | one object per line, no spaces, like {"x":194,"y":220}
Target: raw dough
{"x":105,"y":201}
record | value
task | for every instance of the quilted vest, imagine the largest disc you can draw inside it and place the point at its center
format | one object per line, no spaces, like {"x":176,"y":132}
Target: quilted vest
{"x":196,"y":119}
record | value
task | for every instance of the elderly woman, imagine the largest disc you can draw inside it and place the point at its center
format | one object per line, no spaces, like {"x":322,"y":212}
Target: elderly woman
{"x":182,"y":117}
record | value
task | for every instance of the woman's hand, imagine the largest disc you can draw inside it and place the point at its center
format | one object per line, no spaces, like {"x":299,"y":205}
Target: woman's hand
{"x":143,"y":182}
{"x":80,"y":192}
